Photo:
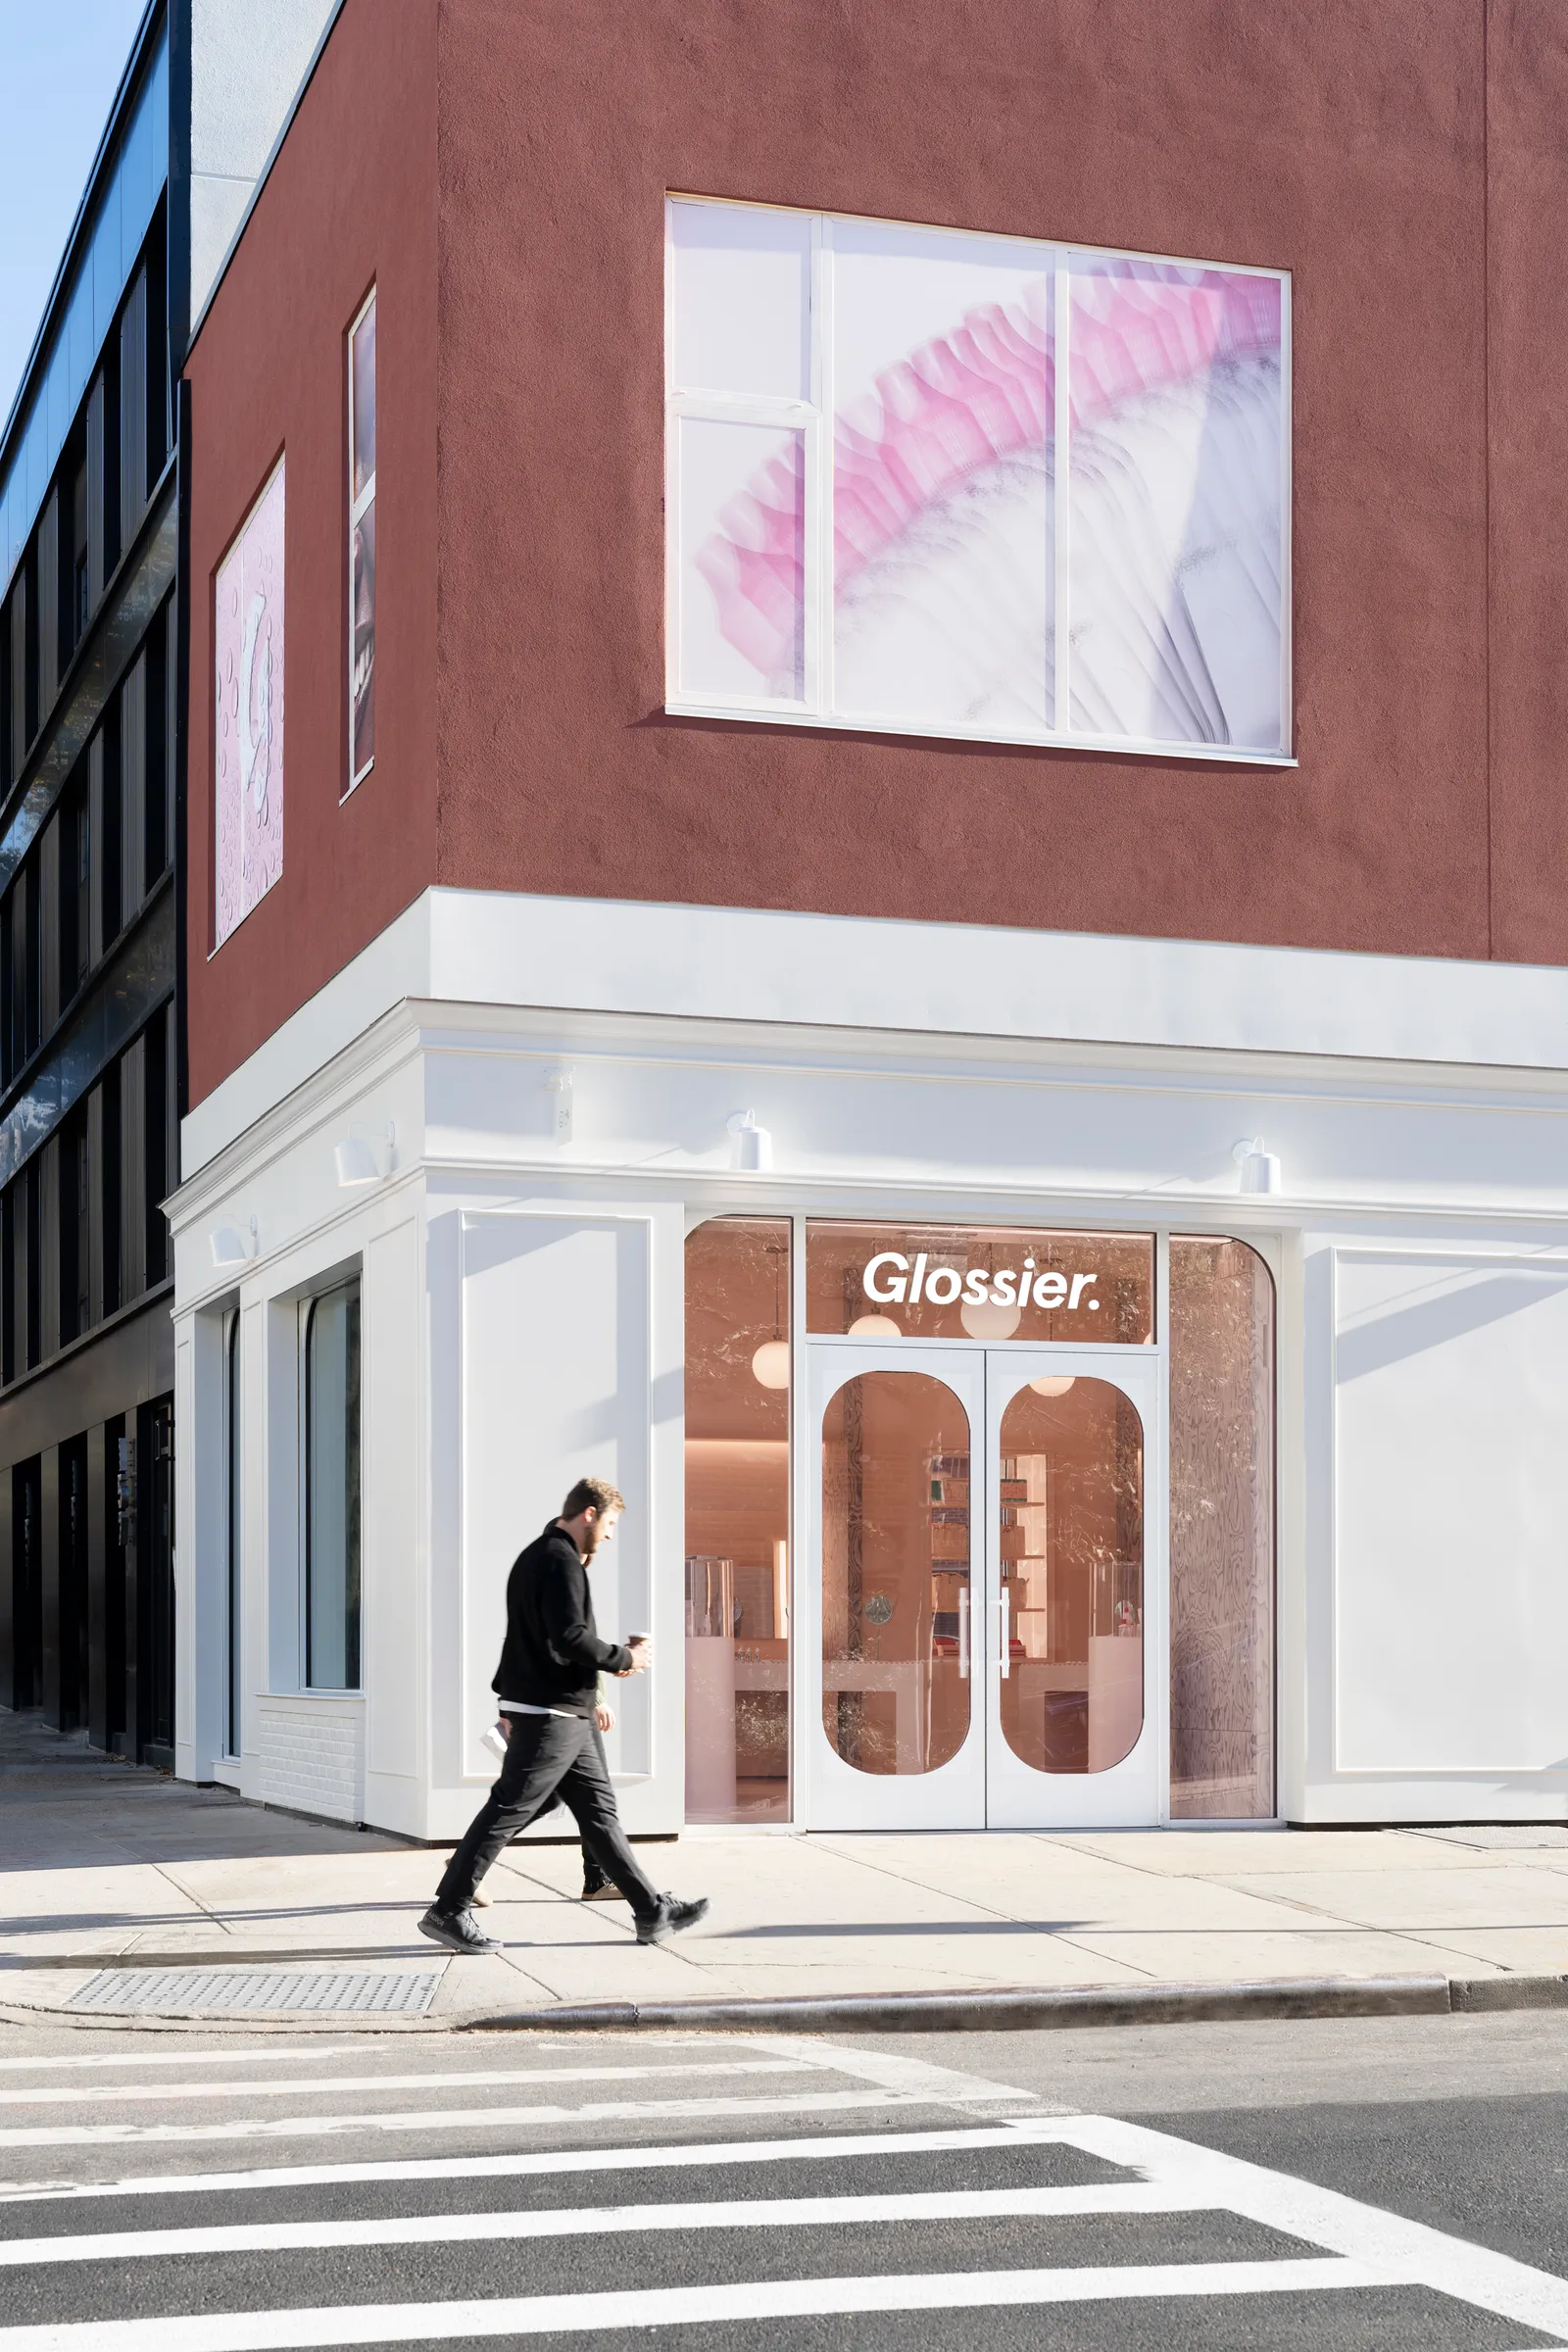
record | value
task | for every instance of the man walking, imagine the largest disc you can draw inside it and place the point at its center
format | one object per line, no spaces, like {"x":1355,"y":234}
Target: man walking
{"x":548,"y":1683}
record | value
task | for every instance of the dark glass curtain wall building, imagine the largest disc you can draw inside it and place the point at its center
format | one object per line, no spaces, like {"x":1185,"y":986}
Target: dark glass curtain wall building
{"x":93,"y":463}
{"x":90,"y":1034}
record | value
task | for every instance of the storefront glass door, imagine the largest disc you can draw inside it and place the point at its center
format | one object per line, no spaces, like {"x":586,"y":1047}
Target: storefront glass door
{"x":979,"y":1639}
{"x":1069,"y":1581}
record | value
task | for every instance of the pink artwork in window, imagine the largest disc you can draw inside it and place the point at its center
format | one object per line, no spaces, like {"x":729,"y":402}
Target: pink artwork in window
{"x":248,"y":639}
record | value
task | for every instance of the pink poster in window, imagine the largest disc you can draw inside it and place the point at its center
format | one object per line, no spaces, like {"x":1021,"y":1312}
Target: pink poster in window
{"x":248,"y":638}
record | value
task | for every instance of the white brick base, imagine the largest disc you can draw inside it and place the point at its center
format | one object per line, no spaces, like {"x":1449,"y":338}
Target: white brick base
{"x":311,"y":1756}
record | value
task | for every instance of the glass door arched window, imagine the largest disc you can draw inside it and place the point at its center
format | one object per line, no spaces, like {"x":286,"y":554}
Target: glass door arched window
{"x":896,"y":1558}
{"x":1070,"y":1653}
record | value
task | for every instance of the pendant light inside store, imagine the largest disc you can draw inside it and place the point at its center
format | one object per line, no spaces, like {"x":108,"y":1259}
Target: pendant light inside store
{"x":988,"y":1319}
{"x":771,"y":1365}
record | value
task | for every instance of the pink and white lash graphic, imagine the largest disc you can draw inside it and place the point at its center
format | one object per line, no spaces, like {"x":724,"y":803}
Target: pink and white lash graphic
{"x":248,"y":640}
{"x":957,"y":583}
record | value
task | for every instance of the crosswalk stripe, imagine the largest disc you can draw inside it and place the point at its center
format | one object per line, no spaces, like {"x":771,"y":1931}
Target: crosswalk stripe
{"x":96,"y":2060}
{"x":718,"y":2154}
{"x":97,"y":2093}
{"x":684,"y":2306}
{"x":597,"y":2221}
{"x":446,"y":2119}
{"x":1395,"y":2247}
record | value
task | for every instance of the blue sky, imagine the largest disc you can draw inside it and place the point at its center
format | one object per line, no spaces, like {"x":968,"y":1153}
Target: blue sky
{"x":60,"y":66}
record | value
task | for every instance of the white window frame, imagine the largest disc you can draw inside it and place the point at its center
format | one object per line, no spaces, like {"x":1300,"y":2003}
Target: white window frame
{"x":357,"y":509}
{"x":813,"y":418}
{"x":353,"y":1280}
{"x":234,"y":1542}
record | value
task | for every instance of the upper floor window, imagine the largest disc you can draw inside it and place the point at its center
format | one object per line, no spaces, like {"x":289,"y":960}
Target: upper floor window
{"x":361,"y":544}
{"x":931,"y":481}
{"x":247,"y":622}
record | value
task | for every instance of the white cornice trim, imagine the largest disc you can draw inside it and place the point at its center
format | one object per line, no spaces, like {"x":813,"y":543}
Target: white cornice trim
{"x":936,"y":982}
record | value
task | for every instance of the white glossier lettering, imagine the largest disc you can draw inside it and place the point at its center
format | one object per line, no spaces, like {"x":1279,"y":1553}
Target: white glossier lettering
{"x":974,"y":1285}
{"x":951,"y":1283}
{"x":893,"y":1296}
{"x":1005,"y":1288}
{"x":1080,"y":1283}
{"x":1049,"y":1290}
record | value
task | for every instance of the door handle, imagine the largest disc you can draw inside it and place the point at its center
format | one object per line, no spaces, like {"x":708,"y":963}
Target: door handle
{"x":963,"y":1636}
{"x":1006,"y":1659}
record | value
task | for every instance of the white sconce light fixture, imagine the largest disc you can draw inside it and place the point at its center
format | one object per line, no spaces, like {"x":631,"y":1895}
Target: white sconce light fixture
{"x":1260,"y":1167}
{"x":230,"y":1247}
{"x":559,"y":1083}
{"x":365,"y":1159}
{"x":750,"y":1146}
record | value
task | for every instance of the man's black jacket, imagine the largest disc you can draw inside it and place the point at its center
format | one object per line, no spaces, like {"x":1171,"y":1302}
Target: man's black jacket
{"x":552,"y":1655}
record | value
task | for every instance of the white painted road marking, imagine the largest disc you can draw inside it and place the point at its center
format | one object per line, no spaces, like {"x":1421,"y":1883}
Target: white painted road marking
{"x":683,"y":2306}
{"x":595,"y":2221}
{"x":467,"y":2119}
{"x":1384,"y":2241}
{"x":720,"y":2154}
{"x":474,"y":2078}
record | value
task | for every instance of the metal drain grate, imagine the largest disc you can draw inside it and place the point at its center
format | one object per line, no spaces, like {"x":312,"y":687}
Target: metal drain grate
{"x":1502,"y":1836}
{"x":405,"y":1992}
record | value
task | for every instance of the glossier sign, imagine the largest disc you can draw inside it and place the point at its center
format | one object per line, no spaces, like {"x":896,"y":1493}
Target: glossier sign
{"x":894,"y":1280}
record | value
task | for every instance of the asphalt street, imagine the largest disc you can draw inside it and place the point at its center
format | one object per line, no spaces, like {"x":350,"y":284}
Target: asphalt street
{"x":1338,"y":2186}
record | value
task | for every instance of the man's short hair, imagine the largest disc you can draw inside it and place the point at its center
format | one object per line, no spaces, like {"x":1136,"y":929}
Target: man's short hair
{"x":593,"y":1493}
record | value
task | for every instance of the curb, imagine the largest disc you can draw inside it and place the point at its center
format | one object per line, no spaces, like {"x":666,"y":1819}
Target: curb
{"x":986,"y":2012}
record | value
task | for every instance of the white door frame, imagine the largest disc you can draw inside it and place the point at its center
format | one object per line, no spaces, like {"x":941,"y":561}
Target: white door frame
{"x":1134,"y":1793}
{"x":830,"y":1793}
{"x":984,"y":1784}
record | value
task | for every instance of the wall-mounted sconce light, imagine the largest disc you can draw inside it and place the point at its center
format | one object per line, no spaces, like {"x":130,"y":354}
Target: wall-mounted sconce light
{"x":750,"y":1146}
{"x":365,"y":1159}
{"x":232,"y":1248}
{"x":560,"y":1083}
{"x":1260,"y":1167}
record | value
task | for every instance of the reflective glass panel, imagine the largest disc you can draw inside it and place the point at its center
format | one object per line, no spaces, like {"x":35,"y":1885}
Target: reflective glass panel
{"x":741,"y":300}
{"x":896,"y":1573}
{"x":942,"y":477}
{"x":737,"y":1520}
{"x":1221,"y":1531}
{"x":742,"y":560}
{"x":1071,"y":1523}
{"x":1178,"y":403}
{"x":332,"y":1490}
{"x":944,"y":1282}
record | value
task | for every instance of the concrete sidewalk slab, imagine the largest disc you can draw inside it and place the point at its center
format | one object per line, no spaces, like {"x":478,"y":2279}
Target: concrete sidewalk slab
{"x":100,"y":1864}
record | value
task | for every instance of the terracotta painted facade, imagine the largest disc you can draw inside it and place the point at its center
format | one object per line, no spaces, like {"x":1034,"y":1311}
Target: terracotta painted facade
{"x":499,"y":171}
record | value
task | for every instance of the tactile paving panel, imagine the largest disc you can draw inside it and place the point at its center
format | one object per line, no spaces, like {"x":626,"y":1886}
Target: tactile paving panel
{"x":384,"y":1991}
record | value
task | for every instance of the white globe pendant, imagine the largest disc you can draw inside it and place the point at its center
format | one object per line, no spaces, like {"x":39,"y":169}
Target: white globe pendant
{"x":988,"y":1322}
{"x":1055,"y":1384}
{"x":771,"y":1365}
{"x":874,"y":1327}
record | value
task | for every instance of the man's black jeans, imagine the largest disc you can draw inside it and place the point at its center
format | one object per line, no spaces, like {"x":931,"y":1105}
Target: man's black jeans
{"x":549,"y":1756}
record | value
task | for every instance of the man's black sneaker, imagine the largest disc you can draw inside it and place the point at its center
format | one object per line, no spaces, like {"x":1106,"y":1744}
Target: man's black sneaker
{"x":459,"y":1930}
{"x":670,"y":1918}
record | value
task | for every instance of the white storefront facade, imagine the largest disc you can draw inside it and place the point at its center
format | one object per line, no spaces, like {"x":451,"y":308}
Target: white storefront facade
{"x":1283,"y":1535}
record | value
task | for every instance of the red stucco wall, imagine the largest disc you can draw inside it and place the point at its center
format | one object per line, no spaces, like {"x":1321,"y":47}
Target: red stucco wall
{"x":1404,"y":159}
{"x":351,"y":200}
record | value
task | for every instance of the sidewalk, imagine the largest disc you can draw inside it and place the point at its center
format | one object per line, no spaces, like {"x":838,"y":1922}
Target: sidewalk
{"x":102,"y":1863}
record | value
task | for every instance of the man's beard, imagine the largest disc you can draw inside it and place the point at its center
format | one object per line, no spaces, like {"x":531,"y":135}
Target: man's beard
{"x":590,"y":1540}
